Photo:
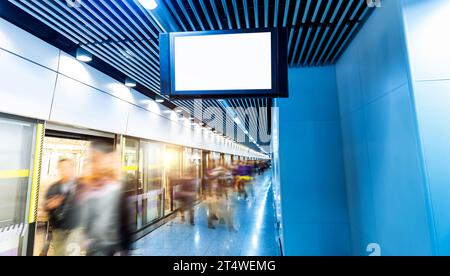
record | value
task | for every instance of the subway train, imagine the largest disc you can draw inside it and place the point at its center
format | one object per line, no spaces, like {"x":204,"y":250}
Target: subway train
{"x":50,"y":109}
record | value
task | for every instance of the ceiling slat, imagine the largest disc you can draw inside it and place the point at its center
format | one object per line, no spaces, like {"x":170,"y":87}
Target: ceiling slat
{"x":125,"y":36}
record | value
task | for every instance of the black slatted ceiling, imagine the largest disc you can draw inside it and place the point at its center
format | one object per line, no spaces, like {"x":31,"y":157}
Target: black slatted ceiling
{"x":123,"y":35}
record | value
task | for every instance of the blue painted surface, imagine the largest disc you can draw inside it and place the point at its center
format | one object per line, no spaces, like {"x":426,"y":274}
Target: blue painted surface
{"x":254,"y":220}
{"x":314,"y":203}
{"x":385,"y":178}
{"x":433,"y":105}
{"x":427,"y":31}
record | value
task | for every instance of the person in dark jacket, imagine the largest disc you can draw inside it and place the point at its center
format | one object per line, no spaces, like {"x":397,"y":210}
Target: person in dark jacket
{"x":59,"y":205}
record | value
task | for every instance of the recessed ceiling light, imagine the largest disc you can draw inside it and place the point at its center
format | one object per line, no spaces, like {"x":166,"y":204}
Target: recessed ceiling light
{"x":83,"y":55}
{"x":129,"y":82}
{"x":146,"y":101}
{"x":149,"y":4}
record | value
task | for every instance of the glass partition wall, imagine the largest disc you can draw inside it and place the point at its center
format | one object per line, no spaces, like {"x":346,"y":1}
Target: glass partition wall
{"x":16,"y":155}
{"x":152,"y":172}
{"x":173,"y":157}
{"x":142,"y":173}
{"x":150,"y":193}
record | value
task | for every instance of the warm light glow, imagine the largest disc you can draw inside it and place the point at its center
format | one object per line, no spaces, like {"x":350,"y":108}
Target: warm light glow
{"x":169,"y":158}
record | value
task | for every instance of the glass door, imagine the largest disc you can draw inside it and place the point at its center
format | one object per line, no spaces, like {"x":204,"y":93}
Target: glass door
{"x":150,"y":170}
{"x":16,"y":147}
{"x":130,"y":175}
{"x":172,"y":171}
{"x":55,"y":149}
{"x":192,"y":166}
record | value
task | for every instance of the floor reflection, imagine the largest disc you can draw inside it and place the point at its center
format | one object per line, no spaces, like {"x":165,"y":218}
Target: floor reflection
{"x":254,"y":220}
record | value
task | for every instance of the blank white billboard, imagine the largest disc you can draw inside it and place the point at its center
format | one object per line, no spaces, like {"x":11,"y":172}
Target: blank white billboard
{"x":223,"y":62}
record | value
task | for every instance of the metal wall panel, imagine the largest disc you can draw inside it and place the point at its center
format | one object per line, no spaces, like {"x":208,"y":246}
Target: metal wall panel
{"x":80,"y":105}
{"x":26,"y":88}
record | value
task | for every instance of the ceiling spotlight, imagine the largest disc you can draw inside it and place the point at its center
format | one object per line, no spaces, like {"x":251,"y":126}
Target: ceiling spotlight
{"x":159,"y":100}
{"x":149,"y":4}
{"x":146,"y":101}
{"x":178,"y":110}
{"x":129,"y":82}
{"x":83,"y":55}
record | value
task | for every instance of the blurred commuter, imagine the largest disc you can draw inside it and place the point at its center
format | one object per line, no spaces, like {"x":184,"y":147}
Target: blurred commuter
{"x":213,"y":176}
{"x":59,"y":205}
{"x":244,"y":179}
{"x":225,"y":204}
{"x":220,"y":203}
{"x":256,"y":169}
{"x":102,"y":201}
{"x":186,"y":196}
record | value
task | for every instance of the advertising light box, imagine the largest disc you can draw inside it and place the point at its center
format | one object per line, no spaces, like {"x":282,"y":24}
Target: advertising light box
{"x":224,"y":64}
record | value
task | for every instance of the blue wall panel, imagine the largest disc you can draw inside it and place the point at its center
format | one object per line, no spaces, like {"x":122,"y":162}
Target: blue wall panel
{"x":427,"y":25}
{"x":349,"y":81}
{"x":382,"y":54}
{"x":433,"y":107}
{"x":359,"y":182}
{"x":398,"y":182}
{"x":314,"y":202}
{"x":385,"y":178}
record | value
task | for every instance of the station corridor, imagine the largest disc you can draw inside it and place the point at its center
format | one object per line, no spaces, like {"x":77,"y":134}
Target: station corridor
{"x":321,"y":127}
{"x":254,"y":221}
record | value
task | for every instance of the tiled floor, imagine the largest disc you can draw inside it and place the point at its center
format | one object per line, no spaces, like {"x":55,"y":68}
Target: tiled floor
{"x":254,"y":220}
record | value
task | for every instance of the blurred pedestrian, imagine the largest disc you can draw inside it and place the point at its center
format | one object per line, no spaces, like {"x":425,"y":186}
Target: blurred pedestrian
{"x":186,"y":196}
{"x":104,"y":216}
{"x":59,"y":205}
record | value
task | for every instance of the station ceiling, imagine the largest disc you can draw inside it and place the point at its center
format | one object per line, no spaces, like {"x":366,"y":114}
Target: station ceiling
{"x":124,"y":37}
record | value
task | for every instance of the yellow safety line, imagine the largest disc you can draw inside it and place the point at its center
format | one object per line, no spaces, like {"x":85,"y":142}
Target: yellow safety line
{"x":135,"y":168}
{"x":32,"y":213}
{"x":14,"y":174}
{"x":154,"y":179}
{"x":129,"y":168}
